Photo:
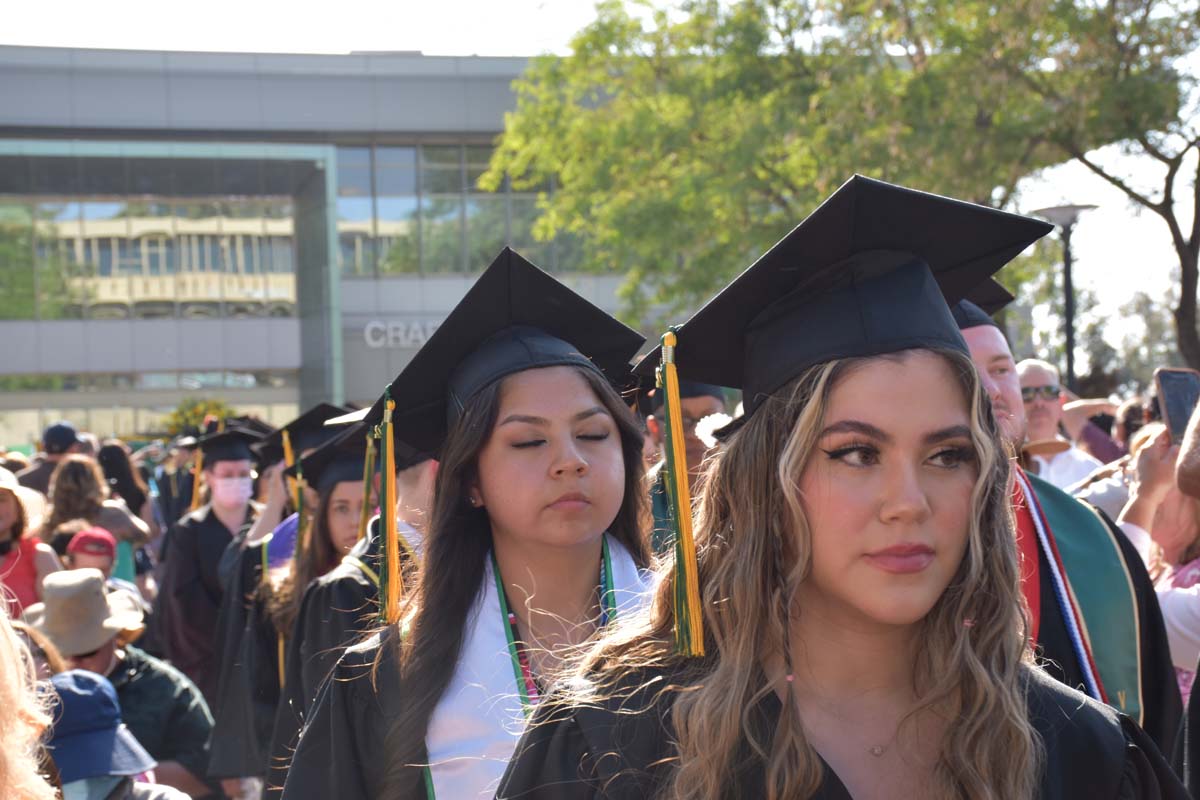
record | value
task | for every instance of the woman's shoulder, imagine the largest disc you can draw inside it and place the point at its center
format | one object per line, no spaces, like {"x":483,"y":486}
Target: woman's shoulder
{"x":1091,"y":749}
{"x":615,"y":734}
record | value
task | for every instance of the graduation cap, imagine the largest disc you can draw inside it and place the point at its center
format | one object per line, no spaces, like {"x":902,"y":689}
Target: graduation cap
{"x":231,"y":444}
{"x":870,"y":272}
{"x":252,"y":424}
{"x":980,"y":304}
{"x":305,"y":432}
{"x":515,"y":317}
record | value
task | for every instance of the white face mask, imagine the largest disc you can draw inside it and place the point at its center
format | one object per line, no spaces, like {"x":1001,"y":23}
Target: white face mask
{"x":231,"y":492}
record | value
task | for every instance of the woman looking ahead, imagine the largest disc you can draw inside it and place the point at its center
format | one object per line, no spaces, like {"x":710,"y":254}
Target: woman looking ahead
{"x":857,"y":576}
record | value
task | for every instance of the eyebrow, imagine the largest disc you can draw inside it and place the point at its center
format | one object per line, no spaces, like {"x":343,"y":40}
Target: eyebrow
{"x":532,"y":420}
{"x":867,"y":429}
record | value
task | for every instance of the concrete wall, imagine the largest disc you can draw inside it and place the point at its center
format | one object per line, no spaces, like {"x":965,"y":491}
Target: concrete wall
{"x":148,"y":345}
{"x":48,"y":87}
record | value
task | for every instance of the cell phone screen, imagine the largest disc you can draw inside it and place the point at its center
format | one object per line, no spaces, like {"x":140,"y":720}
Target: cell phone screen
{"x":1178,"y":392}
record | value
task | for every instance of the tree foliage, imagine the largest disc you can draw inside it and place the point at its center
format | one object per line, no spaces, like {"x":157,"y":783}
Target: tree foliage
{"x":190,"y":414}
{"x":682,"y":141}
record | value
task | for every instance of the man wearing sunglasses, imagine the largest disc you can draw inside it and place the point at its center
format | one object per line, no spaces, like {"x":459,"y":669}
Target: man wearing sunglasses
{"x":1054,"y":459}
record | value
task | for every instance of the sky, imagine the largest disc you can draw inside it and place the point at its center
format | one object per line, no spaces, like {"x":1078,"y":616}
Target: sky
{"x":1116,"y":249}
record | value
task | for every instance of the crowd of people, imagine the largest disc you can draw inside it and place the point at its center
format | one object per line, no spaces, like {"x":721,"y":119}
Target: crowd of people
{"x":829,"y":540}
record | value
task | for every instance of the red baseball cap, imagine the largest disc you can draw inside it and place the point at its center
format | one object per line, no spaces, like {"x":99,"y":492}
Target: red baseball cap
{"x":93,"y":542}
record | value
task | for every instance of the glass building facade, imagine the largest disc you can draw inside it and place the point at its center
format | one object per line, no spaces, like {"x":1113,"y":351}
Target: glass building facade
{"x":271,"y":230}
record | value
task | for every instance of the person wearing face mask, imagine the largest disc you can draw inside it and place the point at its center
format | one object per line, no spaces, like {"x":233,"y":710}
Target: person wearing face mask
{"x":190,"y":591}
{"x":252,"y":677}
{"x":535,"y":542}
{"x":1096,"y":623}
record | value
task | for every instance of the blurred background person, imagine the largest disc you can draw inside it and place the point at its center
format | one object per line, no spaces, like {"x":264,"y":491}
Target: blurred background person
{"x":79,"y":490}
{"x":95,"y":548}
{"x":96,"y":755}
{"x":24,"y":560}
{"x":94,"y":630}
{"x":14,"y":461}
{"x":1053,"y":458}
{"x":58,"y":441}
{"x":47,"y":660}
{"x":126,"y":484}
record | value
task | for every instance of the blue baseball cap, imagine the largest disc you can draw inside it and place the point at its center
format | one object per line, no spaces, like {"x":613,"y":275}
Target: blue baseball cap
{"x":88,"y":738}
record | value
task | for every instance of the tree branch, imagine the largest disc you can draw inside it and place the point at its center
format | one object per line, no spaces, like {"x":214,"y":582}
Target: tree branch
{"x":1129,"y":191}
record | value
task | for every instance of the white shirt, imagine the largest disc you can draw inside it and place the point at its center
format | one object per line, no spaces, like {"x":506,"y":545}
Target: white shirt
{"x":1066,"y":468}
{"x":1181,"y":617}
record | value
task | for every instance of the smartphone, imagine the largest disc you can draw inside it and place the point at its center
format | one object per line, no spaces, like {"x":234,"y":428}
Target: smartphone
{"x":1178,"y":391}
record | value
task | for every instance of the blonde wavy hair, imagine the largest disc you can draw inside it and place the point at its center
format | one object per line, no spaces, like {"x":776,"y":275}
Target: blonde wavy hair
{"x":754,"y":550}
{"x":78,"y":490}
{"x":23,"y":720}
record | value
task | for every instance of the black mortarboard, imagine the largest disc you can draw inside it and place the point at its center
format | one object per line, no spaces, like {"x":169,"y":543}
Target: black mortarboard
{"x":341,"y":458}
{"x":869,"y":272}
{"x":252,"y":424}
{"x":980,"y":304}
{"x":232,"y":444}
{"x":306,"y":432}
{"x":514,"y":318}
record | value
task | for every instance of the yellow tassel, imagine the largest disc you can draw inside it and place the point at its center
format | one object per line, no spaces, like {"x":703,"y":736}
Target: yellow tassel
{"x":289,"y":461}
{"x":388,"y":511}
{"x":196,"y":468}
{"x":368,"y":470}
{"x":689,"y":620}
{"x":281,"y":646}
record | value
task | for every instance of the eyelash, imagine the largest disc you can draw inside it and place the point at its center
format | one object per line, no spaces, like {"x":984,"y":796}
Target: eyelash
{"x":960,"y":455}
{"x":597,"y":437}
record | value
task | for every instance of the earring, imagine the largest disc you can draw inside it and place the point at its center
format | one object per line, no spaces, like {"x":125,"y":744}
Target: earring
{"x":474,"y":502}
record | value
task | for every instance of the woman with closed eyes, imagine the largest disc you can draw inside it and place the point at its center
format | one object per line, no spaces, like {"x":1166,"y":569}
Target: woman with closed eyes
{"x":536,"y":541}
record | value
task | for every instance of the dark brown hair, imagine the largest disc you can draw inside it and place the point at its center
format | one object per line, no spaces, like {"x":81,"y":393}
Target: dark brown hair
{"x":313,"y":557}
{"x":456,"y":549}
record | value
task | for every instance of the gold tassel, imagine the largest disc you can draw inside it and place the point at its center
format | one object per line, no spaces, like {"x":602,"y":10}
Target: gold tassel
{"x":197,"y":466}
{"x":689,"y":619}
{"x":387,"y":508}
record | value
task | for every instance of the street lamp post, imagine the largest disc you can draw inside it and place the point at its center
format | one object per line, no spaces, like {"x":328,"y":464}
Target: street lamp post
{"x":1065,"y":218}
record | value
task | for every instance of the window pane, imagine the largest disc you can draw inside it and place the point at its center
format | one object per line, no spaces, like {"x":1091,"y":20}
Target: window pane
{"x":395,"y":170}
{"x":354,"y":171}
{"x":441,"y":155}
{"x":524,"y":214}
{"x":396,"y":230}
{"x":477,"y":164}
{"x":442,"y":234}
{"x":487,"y":229}
{"x":16,"y":260}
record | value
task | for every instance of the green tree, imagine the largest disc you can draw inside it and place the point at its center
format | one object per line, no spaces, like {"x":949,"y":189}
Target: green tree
{"x":191,"y":413}
{"x":683,"y":145}
{"x":1088,"y":73}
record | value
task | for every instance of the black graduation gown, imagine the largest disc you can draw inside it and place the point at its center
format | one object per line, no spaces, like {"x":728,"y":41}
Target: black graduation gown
{"x":623,"y":748}
{"x":1163,"y":706}
{"x":189,"y":597}
{"x":341,"y":751}
{"x":248,"y":689}
{"x":336,"y":610}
